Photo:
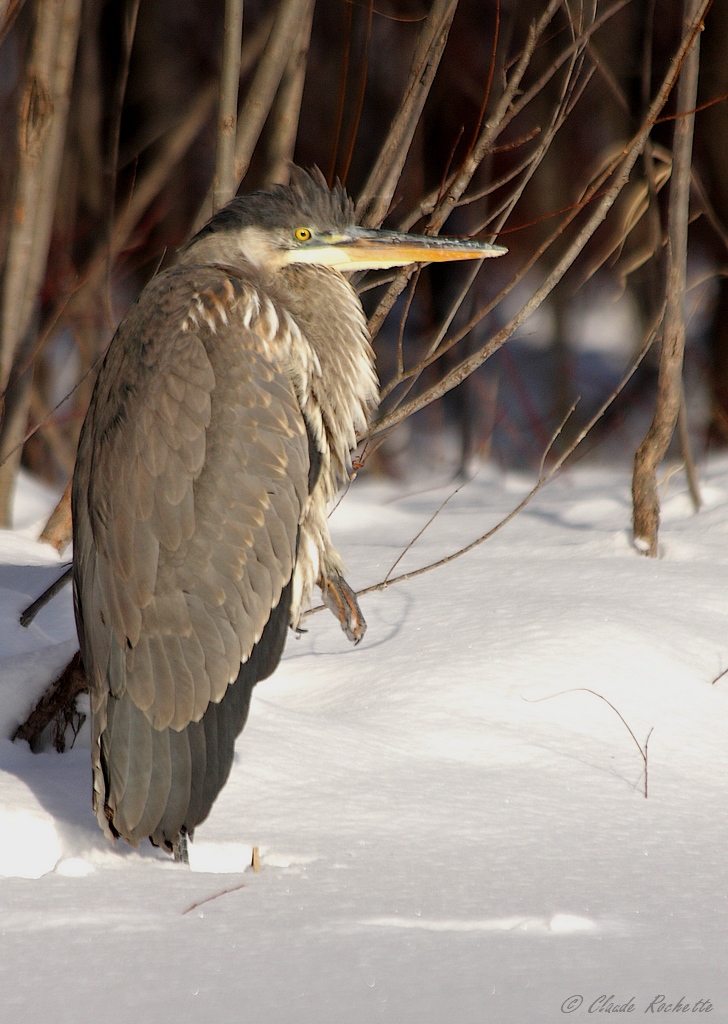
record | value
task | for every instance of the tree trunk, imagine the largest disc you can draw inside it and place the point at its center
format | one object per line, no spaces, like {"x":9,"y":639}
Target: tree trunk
{"x":646,"y":504}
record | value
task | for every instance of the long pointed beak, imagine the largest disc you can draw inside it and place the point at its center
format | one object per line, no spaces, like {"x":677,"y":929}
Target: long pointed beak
{"x":367,"y":249}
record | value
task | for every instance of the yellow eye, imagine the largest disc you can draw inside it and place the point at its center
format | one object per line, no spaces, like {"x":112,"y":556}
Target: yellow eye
{"x":302,"y":234}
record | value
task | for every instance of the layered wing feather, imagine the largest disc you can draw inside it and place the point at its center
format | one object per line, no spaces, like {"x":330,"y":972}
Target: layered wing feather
{"x":189,"y":488}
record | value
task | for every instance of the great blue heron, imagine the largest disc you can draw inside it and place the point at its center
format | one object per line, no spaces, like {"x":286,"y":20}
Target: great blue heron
{"x":220,"y":426}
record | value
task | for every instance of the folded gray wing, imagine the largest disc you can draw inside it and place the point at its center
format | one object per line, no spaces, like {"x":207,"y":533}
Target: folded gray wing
{"x":190,"y":482}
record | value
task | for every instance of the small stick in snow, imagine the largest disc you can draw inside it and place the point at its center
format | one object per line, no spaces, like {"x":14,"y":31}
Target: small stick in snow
{"x":585,"y":689}
{"x":40,"y":602}
{"x":215,"y":895}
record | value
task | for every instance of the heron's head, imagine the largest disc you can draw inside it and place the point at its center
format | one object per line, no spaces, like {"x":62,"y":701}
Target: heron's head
{"x":307,"y":222}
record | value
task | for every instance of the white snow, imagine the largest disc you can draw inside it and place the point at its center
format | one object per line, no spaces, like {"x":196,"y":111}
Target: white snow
{"x":438,"y":842}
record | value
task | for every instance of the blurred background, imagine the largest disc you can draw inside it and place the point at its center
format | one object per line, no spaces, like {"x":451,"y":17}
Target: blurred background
{"x":108,"y":129}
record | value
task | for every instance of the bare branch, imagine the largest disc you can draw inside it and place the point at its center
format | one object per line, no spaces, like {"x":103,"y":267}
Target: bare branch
{"x":9,"y":11}
{"x":572,"y":90}
{"x":57,"y":531}
{"x":544,"y":478}
{"x":646,"y":513}
{"x":625,"y":164}
{"x":620,"y":716}
{"x":223,"y":188}
{"x":444,"y":202}
{"x":691,"y":471}
{"x":287,"y":108}
{"x":131,"y":12}
{"x":42,"y":132}
{"x":42,"y":125}
{"x":171,"y":152}
{"x":431,"y":201}
{"x":267,"y":79}
{"x":253,"y":47}
{"x":376,"y":196}
{"x":419,"y":533}
{"x":48,"y":594}
{"x":493,"y":126}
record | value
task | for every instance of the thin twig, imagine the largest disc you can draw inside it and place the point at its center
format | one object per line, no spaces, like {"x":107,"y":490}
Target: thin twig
{"x":376,"y":196}
{"x":686,"y":449}
{"x":32,"y":610}
{"x":215,"y":896}
{"x":608,"y":197}
{"x":344,"y":78}
{"x":428,"y":204}
{"x":543,"y":478}
{"x":443,"y":202}
{"x":448,"y":197}
{"x":647,"y":763}
{"x":419,"y":533}
{"x":719,"y":677}
{"x":171,"y":152}
{"x":586,"y":689}
{"x":439,"y":347}
{"x":390,"y":419}
{"x":253,"y":49}
{"x":130,"y":13}
{"x":8,"y":455}
{"x":356,"y":119}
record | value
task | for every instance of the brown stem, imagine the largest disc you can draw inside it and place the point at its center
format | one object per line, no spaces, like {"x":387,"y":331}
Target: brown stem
{"x":265,"y":84}
{"x":691,"y":470}
{"x":57,"y":531}
{"x":494,"y":127}
{"x":544,"y":477}
{"x":377,"y":194}
{"x":439,"y":347}
{"x":460,"y":181}
{"x":223,"y":188}
{"x":646,"y":504}
{"x":252,"y":49}
{"x":373,"y":203}
{"x":626,"y":162}
{"x":287,"y":108}
{"x":42,"y":123}
{"x":117,"y":105}
{"x":28,"y":614}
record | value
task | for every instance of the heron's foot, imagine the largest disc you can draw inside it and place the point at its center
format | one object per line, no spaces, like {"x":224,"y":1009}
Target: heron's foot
{"x":341,"y":600}
{"x":57,"y":708}
{"x":179,"y":849}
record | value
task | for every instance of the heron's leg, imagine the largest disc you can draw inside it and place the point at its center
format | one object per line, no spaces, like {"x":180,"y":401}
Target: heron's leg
{"x":179,"y":849}
{"x":341,"y":600}
{"x":57,"y":706}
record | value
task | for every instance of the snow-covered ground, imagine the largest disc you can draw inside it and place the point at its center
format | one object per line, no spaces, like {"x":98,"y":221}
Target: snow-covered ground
{"x":435,"y":844}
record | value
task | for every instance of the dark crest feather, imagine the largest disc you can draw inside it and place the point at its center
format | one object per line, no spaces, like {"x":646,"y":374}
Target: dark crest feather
{"x":307,"y":201}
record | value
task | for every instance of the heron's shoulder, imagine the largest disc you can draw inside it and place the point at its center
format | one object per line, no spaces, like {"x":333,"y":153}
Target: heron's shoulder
{"x":210,"y":290}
